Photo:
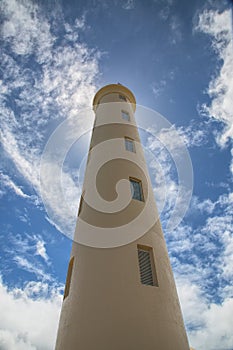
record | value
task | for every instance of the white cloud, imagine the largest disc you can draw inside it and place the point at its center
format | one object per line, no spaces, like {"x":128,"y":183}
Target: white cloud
{"x":193,"y":135}
{"x":168,"y":162}
{"x":53,"y":80}
{"x":29,"y":316}
{"x":210,"y":324}
{"x":41,"y":250}
{"x":204,"y":206}
{"x":158,"y":88}
{"x":228,"y":256}
{"x":201,"y":255}
{"x":174,"y":138}
{"x":218,"y":25}
{"x":7,"y":182}
{"x":61,"y":207}
{"x":202,"y":259}
{"x":23,"y":216}
{"x":220,"y":228}
{"x":31,"y":267}
{"x":192,"y":301}
{"x":24,"y":250}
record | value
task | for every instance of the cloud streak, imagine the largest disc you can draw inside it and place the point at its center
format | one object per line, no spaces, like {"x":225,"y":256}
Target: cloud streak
{"x":8,"y":183}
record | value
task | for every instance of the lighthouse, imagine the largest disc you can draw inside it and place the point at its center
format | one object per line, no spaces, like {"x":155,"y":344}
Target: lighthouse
{"x":120,"y":292}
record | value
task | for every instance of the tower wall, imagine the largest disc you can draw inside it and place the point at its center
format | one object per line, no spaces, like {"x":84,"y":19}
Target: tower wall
{"x":106,"y":305}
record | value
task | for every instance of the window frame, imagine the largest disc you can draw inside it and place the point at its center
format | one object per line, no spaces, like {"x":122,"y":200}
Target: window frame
{"x":123,"y":112}
{"x":135,"y":180}
{"x":130,"y":140}
{"x":122,"y":97}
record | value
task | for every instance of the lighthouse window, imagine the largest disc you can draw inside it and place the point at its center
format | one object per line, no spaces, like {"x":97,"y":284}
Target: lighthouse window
{"x":136,"y":189}
{"x":147,"y":266}
{"x":68,"y":278}
{"x":129,"y":144}
{"x":125,"y":116}
{"x":121,"y":97}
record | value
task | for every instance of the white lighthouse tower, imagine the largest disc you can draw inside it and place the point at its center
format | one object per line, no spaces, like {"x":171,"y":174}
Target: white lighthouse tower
{"x":120,"y":292}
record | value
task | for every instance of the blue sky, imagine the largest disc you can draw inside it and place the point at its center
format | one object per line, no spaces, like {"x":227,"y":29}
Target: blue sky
{"x":177,"y":58}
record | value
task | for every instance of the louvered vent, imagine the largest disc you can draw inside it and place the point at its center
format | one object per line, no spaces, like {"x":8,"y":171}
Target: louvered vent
{"x":146,"y":273}
{"x":147,"y":269}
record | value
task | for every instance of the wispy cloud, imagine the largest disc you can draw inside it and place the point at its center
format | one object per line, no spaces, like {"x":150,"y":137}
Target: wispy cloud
{"x":7,"y":182}
{"x":171,"y":182}
{"x":128,"y":4}
{"x":31,"y":267}
{"x":158,"y":88}
{"x":194,"y":135}
{"x":175,"y":28}
{"x":41,"y":250}
{"x":164,"y":13}
{"x":166,"y":9}
{"x":44,"y":80}
{"x":28,"y":251}
{"x":204,"y":206}
{"x":218,"y":26}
